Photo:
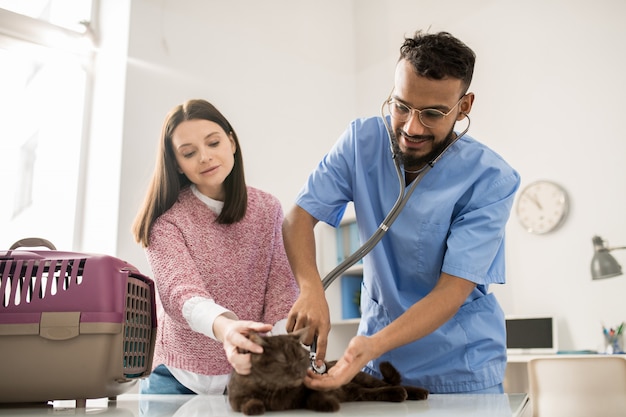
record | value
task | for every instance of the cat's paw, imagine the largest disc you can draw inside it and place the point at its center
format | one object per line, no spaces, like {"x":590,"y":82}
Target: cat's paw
{"x":320,"y":401}
{"x":327,"y":406}
{"x":390,"y":373}
{"x":395,"y":394}
{"x":416,"y":393}
{"x":253,"y":407}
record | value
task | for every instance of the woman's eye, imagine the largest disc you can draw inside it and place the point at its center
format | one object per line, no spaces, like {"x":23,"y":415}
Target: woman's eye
{"x":214,"y":144}
{"x":188,"y":154}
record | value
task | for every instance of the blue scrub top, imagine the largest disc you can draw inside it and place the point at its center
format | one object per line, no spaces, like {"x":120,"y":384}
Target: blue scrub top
{"x":454,"y":223}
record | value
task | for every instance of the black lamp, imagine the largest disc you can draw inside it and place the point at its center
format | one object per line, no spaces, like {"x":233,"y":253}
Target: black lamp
{"x":603,"y":264}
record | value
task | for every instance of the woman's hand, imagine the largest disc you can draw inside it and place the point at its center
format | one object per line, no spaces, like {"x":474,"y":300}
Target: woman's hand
{"x":233,"y":334}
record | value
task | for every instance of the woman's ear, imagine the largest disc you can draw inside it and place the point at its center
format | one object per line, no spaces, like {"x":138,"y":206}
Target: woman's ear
{"x":233,"y":145}
{"x":465,"y":106}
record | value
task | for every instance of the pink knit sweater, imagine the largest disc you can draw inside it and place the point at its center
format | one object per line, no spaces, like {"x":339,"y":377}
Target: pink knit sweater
{"x":242,"y":266}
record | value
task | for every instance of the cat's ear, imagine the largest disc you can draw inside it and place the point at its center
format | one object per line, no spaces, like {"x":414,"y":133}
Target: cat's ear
{"x":301,"y":334}
{"x":256,"y":338}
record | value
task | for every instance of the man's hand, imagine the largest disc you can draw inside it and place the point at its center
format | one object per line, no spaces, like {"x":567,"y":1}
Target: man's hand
{"x":358,"y":353}
{"x":233,"y":334}
{"x":311,"y":310}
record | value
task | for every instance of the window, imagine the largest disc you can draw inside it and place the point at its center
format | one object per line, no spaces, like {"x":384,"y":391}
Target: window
{"x":45,"y":73}
{"x":64,"y":13}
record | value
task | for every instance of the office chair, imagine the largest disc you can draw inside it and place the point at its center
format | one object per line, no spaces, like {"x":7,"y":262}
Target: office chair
{"x":578,"y":386}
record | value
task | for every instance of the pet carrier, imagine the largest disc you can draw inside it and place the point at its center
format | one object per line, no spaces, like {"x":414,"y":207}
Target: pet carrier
{"x":73,"y":326}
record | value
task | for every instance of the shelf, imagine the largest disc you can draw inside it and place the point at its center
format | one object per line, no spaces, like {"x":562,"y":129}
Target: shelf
{"x":354,"y":270}
{"x":347,"y":240}
{"x":343,"y":296}
{"x":350,"y":296}
{"x":347,"y":322}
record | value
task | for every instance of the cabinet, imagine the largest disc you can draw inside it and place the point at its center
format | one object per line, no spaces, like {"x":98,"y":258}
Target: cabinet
{"x":344,"y":293}
{"x":516,"y":376}
{"x":350,"y":287}
{"x":347,"y":242}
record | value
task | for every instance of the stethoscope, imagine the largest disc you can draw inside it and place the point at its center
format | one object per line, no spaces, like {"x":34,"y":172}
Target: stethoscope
{"x":392,"y":215}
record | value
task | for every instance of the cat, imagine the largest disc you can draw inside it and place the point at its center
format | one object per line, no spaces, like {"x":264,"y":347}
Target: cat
{"x":276,"y":380}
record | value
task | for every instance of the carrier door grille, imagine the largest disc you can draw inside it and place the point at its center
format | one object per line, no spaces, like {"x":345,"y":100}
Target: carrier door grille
{"x":138,"y":328}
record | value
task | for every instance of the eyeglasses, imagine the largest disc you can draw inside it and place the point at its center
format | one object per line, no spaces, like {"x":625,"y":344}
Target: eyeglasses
{"x":430,"y":118}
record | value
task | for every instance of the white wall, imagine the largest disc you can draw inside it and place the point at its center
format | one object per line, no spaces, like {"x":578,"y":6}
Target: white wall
{"x":549,"y":85}
{"x":290,"y":75}
{"x":281,"y":72}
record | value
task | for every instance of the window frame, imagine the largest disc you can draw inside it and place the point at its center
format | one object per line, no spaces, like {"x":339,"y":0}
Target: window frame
{"x":24,"y":32}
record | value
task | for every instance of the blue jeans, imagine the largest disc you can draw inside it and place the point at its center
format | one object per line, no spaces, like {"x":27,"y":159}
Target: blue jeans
{"x":161,"y":381}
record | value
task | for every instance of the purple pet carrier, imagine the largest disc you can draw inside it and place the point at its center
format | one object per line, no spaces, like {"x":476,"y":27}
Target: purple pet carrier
{"x":73,"y":326}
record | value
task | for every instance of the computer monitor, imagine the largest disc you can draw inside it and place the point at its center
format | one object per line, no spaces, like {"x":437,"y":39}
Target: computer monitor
{"x":531,"y":335}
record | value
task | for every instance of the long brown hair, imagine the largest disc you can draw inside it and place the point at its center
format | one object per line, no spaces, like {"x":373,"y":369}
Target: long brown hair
{"x":167,"y":181}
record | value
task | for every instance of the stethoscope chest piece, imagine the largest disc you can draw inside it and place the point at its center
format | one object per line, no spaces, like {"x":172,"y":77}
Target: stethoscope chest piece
{"x":317,"y":369}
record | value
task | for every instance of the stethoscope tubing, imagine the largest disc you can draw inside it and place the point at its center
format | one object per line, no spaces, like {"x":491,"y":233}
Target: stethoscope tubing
{"x":392,"y":215}
{"x":394,"y":212}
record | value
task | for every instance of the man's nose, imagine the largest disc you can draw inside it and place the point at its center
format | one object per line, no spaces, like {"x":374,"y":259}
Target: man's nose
{"x":414,"y":125}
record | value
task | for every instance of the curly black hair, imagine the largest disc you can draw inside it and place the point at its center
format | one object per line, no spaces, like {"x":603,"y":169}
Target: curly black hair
{"x":438,"y":56}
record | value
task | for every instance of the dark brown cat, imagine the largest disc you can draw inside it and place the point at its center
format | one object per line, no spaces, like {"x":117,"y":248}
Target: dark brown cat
{"x":276,"y":381}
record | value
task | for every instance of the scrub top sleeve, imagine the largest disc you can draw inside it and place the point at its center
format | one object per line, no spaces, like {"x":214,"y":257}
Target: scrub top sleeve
{"x":477,"y":236}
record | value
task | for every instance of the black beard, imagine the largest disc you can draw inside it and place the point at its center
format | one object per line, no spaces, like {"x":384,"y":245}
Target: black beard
{"x":417,"y":162}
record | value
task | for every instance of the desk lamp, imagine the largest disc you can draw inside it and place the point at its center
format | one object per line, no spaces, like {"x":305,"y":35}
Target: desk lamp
{"x":603,"y":264}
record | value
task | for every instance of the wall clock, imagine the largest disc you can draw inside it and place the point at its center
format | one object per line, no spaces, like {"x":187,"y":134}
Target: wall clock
{"x":542,"y":207}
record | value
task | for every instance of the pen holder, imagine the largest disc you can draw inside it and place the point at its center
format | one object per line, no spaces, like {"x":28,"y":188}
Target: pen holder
{"x":614,"y":344}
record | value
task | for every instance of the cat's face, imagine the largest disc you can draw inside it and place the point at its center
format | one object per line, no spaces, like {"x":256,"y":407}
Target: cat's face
{"x":284,"y":360}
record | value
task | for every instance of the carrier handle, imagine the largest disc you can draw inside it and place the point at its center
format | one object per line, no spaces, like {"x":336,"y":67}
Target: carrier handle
{"x":31,"y":242}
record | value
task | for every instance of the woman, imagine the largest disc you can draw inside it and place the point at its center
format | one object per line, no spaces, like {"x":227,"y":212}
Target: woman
{"x":216,"y":252}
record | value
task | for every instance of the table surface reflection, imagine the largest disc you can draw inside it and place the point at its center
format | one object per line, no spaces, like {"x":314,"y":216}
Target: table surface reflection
{"x":135,"y":405}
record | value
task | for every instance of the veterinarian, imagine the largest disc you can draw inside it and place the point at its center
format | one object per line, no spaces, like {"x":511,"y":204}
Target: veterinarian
{"x":425,"y":302}
{"x":216,"y":252}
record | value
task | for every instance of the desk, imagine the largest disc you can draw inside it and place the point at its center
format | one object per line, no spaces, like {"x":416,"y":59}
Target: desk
{"x":135,"y":405}
{"x":516,"y":376}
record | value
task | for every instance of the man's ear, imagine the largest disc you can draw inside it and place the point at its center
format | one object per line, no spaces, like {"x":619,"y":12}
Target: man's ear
{"x":465,"y":106}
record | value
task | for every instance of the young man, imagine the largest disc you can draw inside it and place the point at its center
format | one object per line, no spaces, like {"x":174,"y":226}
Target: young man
{"x":425,"y":301}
